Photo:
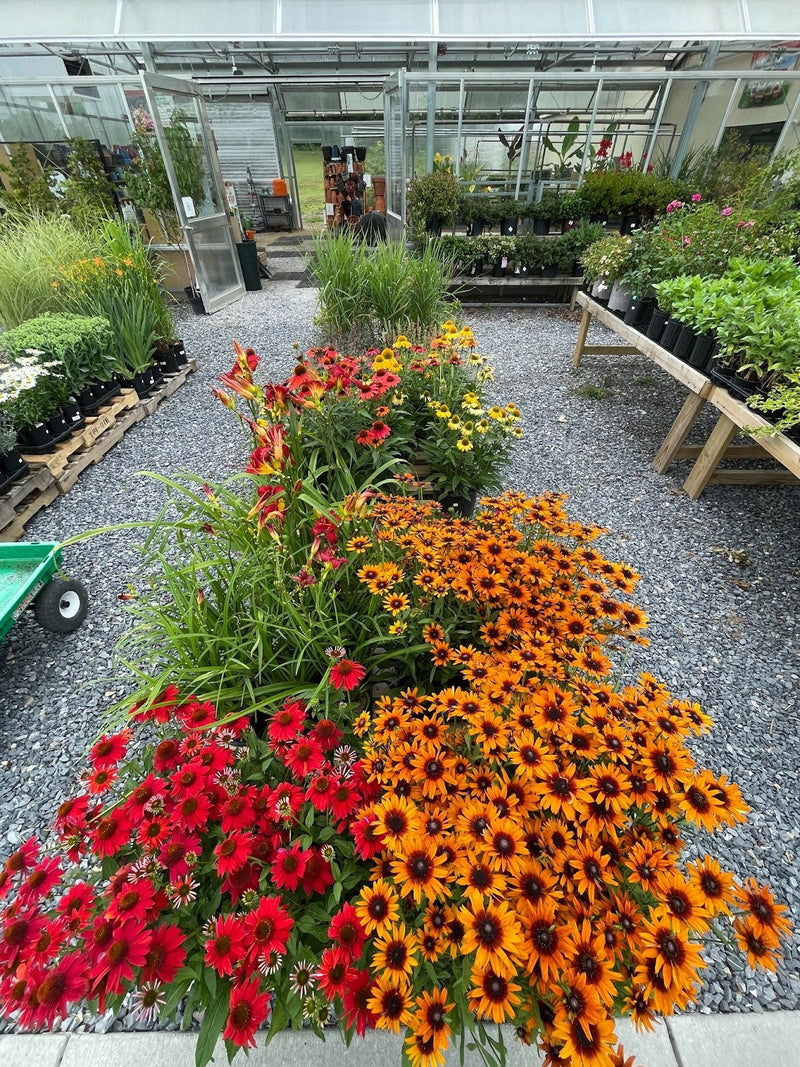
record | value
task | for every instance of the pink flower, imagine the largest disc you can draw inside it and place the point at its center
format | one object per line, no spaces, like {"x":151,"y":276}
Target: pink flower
{"x":726,"y":211}
{"x":687,"y":240}
{"x":673,"y":205}
{"x":743,"y":225}
{"x":696,"y":198}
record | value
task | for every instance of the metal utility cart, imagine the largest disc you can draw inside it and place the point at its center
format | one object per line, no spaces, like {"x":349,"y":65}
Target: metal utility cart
{"x":27,"y":576}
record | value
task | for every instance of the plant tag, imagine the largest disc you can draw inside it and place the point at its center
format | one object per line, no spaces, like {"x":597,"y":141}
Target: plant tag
{"x":504,"y":262}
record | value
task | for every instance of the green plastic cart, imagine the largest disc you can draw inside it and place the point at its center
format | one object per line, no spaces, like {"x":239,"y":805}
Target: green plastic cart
{"x":27,"y":577}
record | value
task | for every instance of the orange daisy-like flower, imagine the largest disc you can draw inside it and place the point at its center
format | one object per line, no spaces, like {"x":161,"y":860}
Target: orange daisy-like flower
{"x":390,"y":1001}
{"x":714,"y":885}
{"x":757,"y":941}
{"x":675,"y":958}
{"x":397,"y":819}
{"x":590,"y":867}
{"x":681,"y":900}
{"x":577,"y":1000}
{"x":430,"y":1018}
{"x":493,"y":996}
{"x":585,"y":1044}
{"x":587,"y":954}
{"x":504,"y":844}
{"x":493,"y":934}
{"x":561,"y":790}
{"x":394,"y":951}
{"x":545,"y":940}
{"x":700,"y":801}
{"x":377,"y":907}
{"x":423,"y":1051}
{"x":530,"y":755}
{"x":419,"y":870}
{"x":766,"y":916}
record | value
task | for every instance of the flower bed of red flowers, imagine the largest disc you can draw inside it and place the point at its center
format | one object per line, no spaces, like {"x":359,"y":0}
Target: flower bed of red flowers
{"x":502,"y":844}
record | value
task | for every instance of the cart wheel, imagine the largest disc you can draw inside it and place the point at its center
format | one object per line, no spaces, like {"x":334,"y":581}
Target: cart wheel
{"x":62,"y":605}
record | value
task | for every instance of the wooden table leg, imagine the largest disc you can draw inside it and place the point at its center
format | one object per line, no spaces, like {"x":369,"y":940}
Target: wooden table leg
{"x":679,"y":431}
{"x":708,"y":460}
{"x":583,"y":329}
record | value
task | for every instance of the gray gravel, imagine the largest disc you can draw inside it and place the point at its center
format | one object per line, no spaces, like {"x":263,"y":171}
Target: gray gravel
{"x":721,"y":632}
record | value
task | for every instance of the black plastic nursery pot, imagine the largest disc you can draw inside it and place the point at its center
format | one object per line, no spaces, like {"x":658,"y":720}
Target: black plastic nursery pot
{"x":168,"y":362}
{"x":550,"y":271}
{"x":541,"y":227}
{"x":639,"y":313}
{"x":629,"y":223}
{"x":36,"y":438}
{"x":508,"y":227}
{"x":12,"y":468}
{"x":475,"y":228}
{"x":361,"y":154}
{"x":656,"y":325}
{"x":179,"y":349}
{"x":702,"y":351}
{"x":95,"y":395}
{"x":461,"y":506}
{"x":684,"y":343}
{"x":670,"y":334}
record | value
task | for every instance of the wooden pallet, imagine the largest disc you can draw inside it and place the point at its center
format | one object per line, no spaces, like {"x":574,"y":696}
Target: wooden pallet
{"x":171,"y":384}
{"x":54,"y":474}
{"x":96,"y":425}
{"x":22,"y":501}
{"x":87,"y":457}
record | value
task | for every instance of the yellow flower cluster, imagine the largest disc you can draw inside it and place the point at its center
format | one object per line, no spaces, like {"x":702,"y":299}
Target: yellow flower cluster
{"x":385,"y":361}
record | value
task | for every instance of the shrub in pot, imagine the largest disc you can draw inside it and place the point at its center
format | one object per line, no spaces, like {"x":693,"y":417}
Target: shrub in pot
{"x":433,"y":200}
{"x":84,"y":345}
{"x":32,"y":391}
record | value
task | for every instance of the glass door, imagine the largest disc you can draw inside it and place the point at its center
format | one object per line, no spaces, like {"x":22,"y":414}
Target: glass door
{"x":394,"y":118}
{"x":190,"y":159}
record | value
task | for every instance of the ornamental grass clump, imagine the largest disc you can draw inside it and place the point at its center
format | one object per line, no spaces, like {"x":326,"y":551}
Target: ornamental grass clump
{"x":500,"y":841}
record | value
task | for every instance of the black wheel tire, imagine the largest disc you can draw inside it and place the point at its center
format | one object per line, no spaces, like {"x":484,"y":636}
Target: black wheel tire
{"x":62,"y":605}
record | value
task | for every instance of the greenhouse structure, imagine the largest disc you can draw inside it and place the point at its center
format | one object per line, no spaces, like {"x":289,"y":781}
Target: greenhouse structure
{"x":399,"y":485}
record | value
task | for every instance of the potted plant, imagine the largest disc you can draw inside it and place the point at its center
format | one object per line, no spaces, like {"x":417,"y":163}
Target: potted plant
{"x":433,"y":199}
{"x":32,"y":392}
{"x":83,"y":345}
{"x":12,"y":465}
{"x":545,"y":213}
{"x":572,"y":209}
{"x":605,"y":262}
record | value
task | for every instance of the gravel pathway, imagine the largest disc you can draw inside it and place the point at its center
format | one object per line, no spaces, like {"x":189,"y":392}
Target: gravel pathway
{"x":721,"y":576}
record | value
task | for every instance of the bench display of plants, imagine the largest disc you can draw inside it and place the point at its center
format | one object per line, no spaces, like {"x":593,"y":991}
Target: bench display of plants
{"x":378,"y":768}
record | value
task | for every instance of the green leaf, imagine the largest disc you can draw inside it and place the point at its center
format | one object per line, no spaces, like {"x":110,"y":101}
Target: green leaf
{"x":571,"y":135}
{"x":211,"y":1027}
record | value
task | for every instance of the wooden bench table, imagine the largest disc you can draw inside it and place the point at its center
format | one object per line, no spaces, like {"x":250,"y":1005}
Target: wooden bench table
{"x":465,"y":282}
{"x":734,"y":416}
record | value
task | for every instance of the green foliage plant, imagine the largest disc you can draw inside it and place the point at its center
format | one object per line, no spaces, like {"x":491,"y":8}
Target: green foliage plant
{"x":32,"y":248}
{"x":27,"y":189}
{"x":607,"y":258}
{"x":87,"y":195}
{"x":82,"y":344}
{"x":432,"y":199}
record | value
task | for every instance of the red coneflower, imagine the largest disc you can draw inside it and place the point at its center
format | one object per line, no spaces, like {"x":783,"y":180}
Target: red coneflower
{"x":287,"y":723}
{"x":268,"y":927}
{"x":346,"y":674}
{"x":289,"y":866}
{"x":304,"y":756}
{"x":233,"y":851}
{"x":346,"y":930}
{"x":125,"y":949}
{"x":165,"y":956}
{"x":248,"y":1010}
{"x":225,"y":947}
{"x":110,"y":749}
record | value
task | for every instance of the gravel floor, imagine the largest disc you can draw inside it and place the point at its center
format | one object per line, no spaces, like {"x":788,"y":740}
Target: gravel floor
{"x":723,"y":632}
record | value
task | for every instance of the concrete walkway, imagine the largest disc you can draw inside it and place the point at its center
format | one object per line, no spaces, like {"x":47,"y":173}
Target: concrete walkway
{"x":770,"y":1039}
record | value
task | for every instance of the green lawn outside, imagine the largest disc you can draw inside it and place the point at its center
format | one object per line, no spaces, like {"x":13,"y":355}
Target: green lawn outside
{"x":308,"y":167}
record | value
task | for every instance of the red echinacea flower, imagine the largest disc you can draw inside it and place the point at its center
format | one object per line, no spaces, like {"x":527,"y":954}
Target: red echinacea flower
{"x":346,"y":674}
{"x":248,"y":1010}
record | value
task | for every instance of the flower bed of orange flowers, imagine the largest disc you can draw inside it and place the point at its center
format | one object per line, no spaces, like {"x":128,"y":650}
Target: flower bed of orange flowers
{"x":502,"y":845}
